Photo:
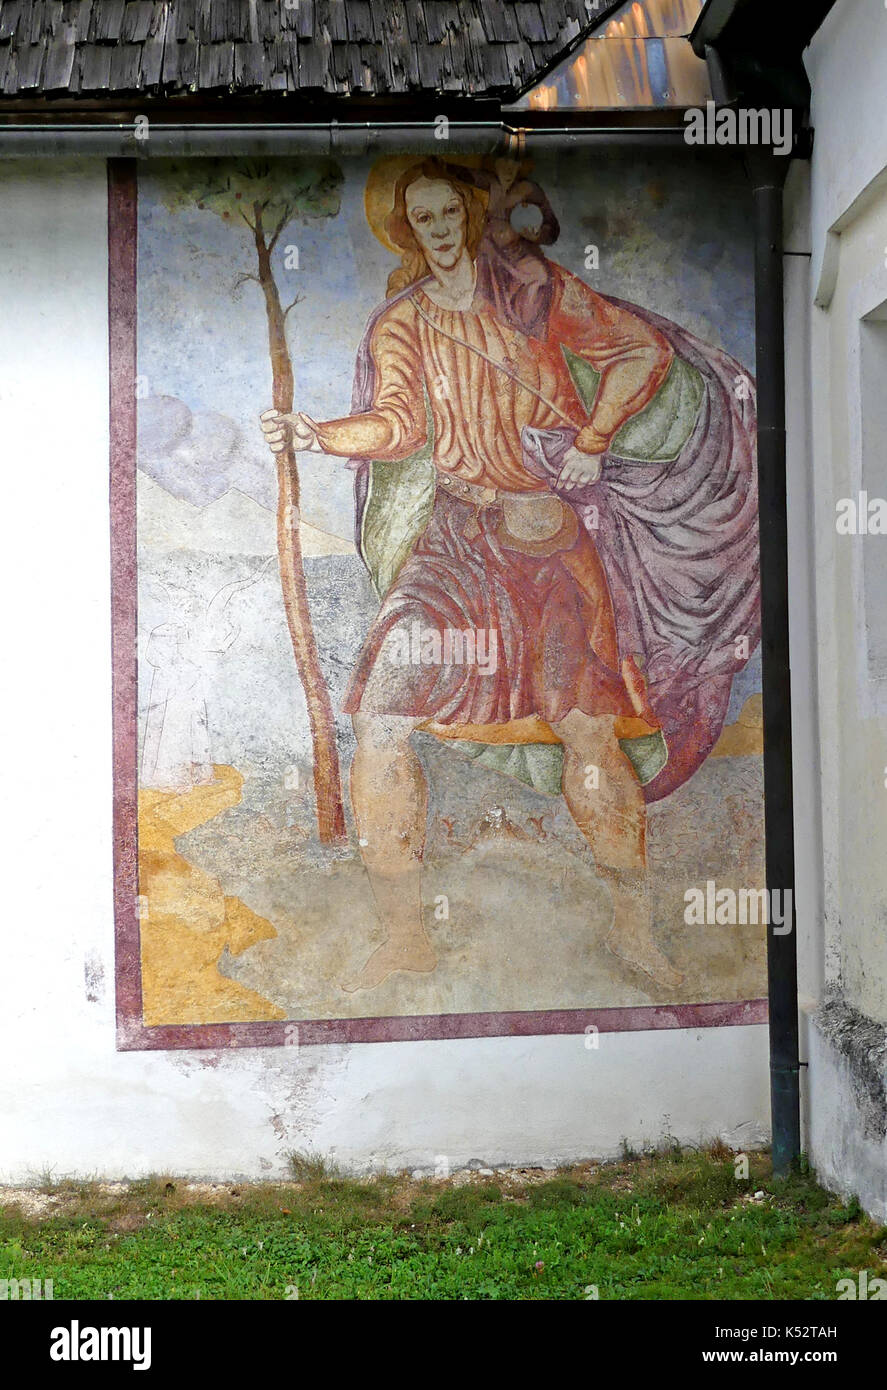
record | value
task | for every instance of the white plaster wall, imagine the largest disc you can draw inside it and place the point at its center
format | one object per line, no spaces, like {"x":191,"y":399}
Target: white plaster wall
{"x":68,"y":1100}
{"x":847,"y":63}
{"x":849,"y":1156}
{"x":837,"y":209}
{"x":859,"y":759}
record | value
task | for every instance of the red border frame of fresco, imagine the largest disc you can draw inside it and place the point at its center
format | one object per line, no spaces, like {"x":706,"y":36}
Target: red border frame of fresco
{"x":132,"y":1033}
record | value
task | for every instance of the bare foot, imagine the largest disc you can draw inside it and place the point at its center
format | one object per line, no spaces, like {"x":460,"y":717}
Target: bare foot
{"x":416,"y":955}
{"x":640,"y":950}
{"x":630,"y":938}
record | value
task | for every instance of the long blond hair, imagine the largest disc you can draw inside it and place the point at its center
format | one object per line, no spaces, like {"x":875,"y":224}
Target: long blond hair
{"x":413,"y":265}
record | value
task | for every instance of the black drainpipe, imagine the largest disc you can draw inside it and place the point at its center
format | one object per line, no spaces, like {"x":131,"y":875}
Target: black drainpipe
{"x":767,"y":173}
{"x":783,"y":85}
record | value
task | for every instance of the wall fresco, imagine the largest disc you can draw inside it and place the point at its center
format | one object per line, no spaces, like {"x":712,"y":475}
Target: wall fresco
{"x":449,"y":691}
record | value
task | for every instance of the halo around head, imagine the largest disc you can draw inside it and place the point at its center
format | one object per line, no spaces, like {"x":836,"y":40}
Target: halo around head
{"x":378,"y":197}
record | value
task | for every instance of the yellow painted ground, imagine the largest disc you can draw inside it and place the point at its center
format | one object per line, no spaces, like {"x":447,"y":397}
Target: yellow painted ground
{"x":746,"y":735}
{"x":186,"y":920}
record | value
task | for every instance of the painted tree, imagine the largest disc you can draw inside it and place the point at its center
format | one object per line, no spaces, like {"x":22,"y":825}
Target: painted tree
{"x":261,"y":199}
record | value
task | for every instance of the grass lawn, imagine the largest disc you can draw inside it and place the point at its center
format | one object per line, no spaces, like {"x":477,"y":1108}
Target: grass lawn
{"x":679,"y":1226}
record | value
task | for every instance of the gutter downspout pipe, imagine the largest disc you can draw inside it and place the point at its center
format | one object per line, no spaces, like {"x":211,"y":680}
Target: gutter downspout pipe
{"x":767,"y":173}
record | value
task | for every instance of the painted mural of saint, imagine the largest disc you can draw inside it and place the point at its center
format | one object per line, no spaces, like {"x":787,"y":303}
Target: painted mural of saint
{"x":580,"y":556}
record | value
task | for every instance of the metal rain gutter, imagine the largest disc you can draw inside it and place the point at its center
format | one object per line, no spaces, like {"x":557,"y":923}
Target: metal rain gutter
{"x":144,"y":137}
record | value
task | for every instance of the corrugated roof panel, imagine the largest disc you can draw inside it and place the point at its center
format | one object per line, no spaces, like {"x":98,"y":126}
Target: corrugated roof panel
{"x":637,"y":57}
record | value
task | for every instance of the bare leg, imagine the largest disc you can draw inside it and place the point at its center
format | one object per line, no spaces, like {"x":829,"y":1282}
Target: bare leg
{"x":612,"y":816}
{"x":389,"y":796}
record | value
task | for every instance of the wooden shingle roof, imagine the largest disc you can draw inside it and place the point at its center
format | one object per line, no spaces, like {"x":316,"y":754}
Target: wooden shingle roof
{"x":334,"y":48}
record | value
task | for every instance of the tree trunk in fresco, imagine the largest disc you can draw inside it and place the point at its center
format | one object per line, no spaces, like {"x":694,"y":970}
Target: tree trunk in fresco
{"x":327,"y":774}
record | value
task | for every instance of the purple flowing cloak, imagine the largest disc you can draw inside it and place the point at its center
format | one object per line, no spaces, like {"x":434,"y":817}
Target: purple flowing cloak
{"x":678,"y":542}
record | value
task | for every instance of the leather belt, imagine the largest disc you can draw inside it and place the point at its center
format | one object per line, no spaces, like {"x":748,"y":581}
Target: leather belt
{"x":478,"y":496}
{"x":558,"y":533}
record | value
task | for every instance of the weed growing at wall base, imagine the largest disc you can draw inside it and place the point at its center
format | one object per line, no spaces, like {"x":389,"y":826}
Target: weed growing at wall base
{"x":660,"y":1228}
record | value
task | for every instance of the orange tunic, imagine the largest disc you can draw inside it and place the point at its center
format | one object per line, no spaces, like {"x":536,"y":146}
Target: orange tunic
{"x":478,"y":411}
{"x":550,"y":619}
